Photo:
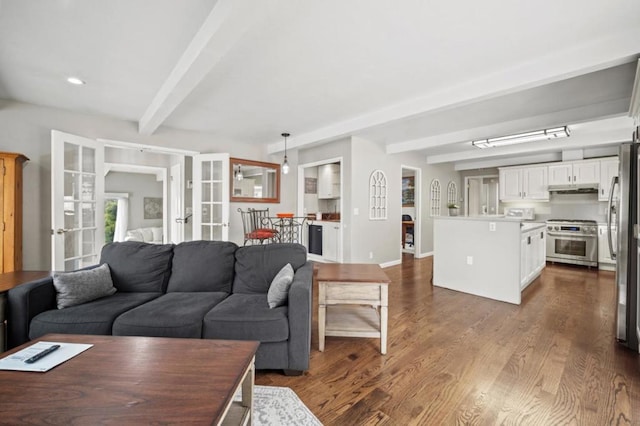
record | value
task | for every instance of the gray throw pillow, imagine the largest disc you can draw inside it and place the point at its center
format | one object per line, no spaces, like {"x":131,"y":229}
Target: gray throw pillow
{"x":75,"y":288}
{"x":279,"y":288}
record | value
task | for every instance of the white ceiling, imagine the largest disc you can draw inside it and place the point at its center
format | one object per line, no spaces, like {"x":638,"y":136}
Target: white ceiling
{"x":415,"y":76}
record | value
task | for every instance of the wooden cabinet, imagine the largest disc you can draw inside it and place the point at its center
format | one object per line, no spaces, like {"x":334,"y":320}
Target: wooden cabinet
{"x":604,"y":254}
{"x":575,"y":173}
{"x":608,"y":170}
{"x":329,"y":181}
{"x":524,"y":183}
{"x":11,"y":210}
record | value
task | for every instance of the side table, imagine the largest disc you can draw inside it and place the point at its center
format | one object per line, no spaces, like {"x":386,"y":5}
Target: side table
{"x":9,"y":280}
{"x":349,"y":298}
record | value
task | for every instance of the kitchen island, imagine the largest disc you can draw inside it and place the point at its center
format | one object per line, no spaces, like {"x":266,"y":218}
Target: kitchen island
{"x":489,"y":256}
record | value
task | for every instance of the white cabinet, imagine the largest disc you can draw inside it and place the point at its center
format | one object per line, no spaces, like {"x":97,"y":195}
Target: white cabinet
{"x":608,"y":170}
{"x":575,"y":173}
{"x":532,"y":255}
{"x":560,"y":174}
{"x":604,"y":254}
{"x":331,"y":246}
{"x":524,"y":183}
{"x":329,"y":181}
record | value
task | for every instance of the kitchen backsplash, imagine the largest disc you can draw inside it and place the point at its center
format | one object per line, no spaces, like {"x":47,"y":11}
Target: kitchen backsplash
{"x":567,"y":206}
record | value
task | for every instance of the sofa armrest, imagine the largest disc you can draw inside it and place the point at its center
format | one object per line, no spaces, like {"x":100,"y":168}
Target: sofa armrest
{"x":300,"y":298}
{"x":25,"y":302}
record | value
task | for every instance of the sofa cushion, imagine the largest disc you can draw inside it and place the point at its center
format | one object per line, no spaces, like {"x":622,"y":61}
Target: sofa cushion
{"x":256,"y":266}
{"x":246,"y":317}
{"x":138,"y":267}
{"x":279,"y":289}
{"x":202,"y":266}
{"x":170,"y":315}
{"x":74,"y":288}
{"x":94,"y":317}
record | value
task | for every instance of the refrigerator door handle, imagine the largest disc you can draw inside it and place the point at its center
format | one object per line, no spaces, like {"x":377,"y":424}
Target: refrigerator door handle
{"x":610,"y":208}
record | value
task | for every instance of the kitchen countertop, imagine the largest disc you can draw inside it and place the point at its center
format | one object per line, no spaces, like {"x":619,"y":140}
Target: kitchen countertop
{"x":524,"y":225}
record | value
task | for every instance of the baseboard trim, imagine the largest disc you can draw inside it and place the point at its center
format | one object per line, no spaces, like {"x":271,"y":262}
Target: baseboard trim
{"x":391,"y":263}
{"x":427,"y":254}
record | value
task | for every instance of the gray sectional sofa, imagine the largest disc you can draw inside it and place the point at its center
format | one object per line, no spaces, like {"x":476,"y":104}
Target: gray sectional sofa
{"x":197,"y":289}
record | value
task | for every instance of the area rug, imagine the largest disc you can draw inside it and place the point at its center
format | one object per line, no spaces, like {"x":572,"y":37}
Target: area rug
{"x":279,"y":406}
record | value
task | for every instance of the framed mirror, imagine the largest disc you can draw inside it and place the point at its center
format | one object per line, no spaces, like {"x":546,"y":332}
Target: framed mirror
{"x":254,"y":181}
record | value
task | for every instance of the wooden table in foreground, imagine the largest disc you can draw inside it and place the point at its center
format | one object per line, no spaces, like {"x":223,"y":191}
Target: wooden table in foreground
{"x":349,"y":298}
{"x":135,"y":380}
{"x":9,"y":280}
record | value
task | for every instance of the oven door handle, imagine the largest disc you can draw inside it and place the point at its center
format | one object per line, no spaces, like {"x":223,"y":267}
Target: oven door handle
{"x":570,"y":236}
{"x":610,"y":209}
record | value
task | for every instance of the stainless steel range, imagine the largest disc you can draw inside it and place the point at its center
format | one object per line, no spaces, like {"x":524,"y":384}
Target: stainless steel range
{"x":572,"y":241}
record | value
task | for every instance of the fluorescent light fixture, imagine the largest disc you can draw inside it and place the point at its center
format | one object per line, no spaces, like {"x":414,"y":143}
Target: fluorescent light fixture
{"x":538,"y":135}
{"x":76,"y":81}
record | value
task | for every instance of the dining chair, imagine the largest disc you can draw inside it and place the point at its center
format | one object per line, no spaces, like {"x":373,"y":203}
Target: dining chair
{"x":256,"y":225}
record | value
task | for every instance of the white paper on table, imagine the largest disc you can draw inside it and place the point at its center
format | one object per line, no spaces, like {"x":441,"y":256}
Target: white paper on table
{"x":66,"y":351}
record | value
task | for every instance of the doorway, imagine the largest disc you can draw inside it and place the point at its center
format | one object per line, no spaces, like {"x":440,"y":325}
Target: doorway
{"x":410,"y":214}
{"x":320,"y":199}
{"x":481,"y":195}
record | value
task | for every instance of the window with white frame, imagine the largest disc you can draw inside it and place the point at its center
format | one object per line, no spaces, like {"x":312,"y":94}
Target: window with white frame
{"x":435,"y":197}
{"x":378,"y":195}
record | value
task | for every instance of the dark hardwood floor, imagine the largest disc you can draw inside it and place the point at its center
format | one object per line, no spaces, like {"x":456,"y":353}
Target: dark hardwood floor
{"x":454,"y":358}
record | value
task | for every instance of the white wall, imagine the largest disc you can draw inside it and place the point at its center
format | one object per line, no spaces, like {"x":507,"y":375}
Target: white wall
{"x":382,"y":237}
{"x":27,"y":129}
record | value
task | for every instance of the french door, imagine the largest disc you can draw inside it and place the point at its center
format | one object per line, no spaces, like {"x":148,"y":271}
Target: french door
{"x":77,"y":201}
{"x":211,"y":197}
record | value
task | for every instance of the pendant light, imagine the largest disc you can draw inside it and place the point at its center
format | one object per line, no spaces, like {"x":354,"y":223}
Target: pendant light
{"x":285,"y":163}
{"x":238,"y":174}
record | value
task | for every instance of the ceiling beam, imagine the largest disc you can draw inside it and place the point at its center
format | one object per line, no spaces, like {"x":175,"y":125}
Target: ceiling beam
{"x":610,"y":108}
{"x":554,"y":67}
{"x":223,"y":27}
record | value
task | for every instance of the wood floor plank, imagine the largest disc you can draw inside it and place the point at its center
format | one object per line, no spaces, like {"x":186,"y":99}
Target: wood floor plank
{"x":457,"y":359}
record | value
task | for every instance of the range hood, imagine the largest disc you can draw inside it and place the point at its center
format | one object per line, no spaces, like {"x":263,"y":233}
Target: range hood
{"x":587,"y":188}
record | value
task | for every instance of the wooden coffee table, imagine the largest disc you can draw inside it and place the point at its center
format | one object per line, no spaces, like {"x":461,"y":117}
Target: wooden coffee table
{"x":134,"y":380}
{"x":349,"y":297}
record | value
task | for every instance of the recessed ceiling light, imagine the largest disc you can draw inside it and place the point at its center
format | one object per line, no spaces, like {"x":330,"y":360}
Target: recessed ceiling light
{"x":76,"y":81}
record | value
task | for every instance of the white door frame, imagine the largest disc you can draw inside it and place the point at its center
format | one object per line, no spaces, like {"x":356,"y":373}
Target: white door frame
{"x":300,"y":209}
{"x":161,"y":176}
{"x":466,"y":191}
{"x":417,"y":198}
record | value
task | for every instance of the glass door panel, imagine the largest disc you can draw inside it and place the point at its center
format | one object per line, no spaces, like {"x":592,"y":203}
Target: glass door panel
{"x":77,"y":201}
{"x":211,"y":197}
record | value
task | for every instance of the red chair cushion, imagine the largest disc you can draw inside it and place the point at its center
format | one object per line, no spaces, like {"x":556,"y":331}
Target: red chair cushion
{"x":260,"y":234}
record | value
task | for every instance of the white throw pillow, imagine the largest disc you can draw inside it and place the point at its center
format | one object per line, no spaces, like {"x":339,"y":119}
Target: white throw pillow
{"x":157,"y":233}
{"x":75,"y":288}
{"x":133,"y":235}
{"x":279,"y":289}
{"x":147,"y":234}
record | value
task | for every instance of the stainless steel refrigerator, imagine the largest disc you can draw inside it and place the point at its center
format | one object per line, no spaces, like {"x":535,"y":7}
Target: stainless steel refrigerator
{"x":623,"y":213}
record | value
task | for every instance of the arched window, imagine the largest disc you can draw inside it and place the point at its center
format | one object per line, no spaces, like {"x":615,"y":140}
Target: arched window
{"x":378,"y":195}
{"x":452,"y":193}
{"x":435,"y":197}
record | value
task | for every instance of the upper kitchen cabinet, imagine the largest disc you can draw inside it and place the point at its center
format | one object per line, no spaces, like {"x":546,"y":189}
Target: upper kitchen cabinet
{"x":329,"y":181}
{"x":575,"y":173}
{"x":608,"y":170}
{"x":524,"y":183}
